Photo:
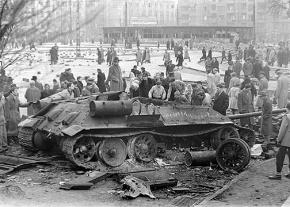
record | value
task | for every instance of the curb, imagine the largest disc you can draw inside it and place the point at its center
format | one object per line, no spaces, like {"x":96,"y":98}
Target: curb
{"x":228,"y":185}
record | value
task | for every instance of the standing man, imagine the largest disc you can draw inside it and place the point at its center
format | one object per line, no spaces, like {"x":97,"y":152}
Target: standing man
{"x":203,"y":57}
{"x":166,"y":58}
{"x":172,"y":44}
{"x":238,"y":67}
{"x":245,"y":104}
{"x":101,"y":81}
{"x":284,"y":142}
{"x":80,"y":83}
{"x":223,"y":55}
{"x":281,"y":93}
{"x":248,"y":68}
{"x":138,"y":56}
{"x":115,"y":76}
{"x":179,"y":59}
{"x":37,"y":84}
{"x":221,"y":100}
{"x":168,"y":45}
{"x":266,"y":121}
{"x":32,"y":95}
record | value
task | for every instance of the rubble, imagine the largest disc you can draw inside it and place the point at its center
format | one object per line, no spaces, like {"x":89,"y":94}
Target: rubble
{"x":134,"y":187}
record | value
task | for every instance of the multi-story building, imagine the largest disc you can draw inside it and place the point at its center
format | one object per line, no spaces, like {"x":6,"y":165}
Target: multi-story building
{"x":271,"y":27}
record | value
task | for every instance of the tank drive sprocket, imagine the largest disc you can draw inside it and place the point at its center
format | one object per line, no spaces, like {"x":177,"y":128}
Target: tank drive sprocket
{"x":25,"y":136}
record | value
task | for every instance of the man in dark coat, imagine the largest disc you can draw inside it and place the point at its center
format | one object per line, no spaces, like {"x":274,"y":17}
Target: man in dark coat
{"x":169,"y":68}
{"x":101,"y":81}
{"x":168,"y":45}
{"x":245,"y":103}
{"x":172,"y":44}
{"x":179,"y":59}
{"x":221,"y":100}
{"x":203,"y":54}
{"x":257,"y":68}
{"x":46,"y":92}
{"x":80,"y":83}
{"x":209,"y":55}
{"x":37,"y":84}
{"x":145,"y":86}
{"x":266,"y":121}
{"x":67,"y":76}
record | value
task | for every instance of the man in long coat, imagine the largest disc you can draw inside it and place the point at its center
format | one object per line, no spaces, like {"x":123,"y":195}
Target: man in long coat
{"x":245,"y":104}
{"x":101,"y":81}
{"x":32,"y":95}
{"x":266,"y":121}
{"x":221,"y":100}
{"x":12,"y":114}
{"x":281,"y":93}
{"x":115,"y":76}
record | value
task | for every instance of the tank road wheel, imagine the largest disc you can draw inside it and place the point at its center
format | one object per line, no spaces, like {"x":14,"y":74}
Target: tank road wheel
{"x":224,"y":133}
{"x":248,"y":136}
{"x":142,"y":148}
{"x":233,"y":154}
{"x":112,"y":152}
{"x":84,"y":150}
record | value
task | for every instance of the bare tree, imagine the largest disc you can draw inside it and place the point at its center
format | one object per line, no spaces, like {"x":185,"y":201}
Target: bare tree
{"x":30,"y":20}
{"x":277,"y":7}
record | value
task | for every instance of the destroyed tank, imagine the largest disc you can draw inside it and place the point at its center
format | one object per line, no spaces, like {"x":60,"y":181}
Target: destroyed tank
{"x":108,"y":128}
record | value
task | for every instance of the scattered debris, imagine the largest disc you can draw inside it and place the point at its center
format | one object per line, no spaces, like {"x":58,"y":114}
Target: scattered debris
{"x":183,"y":201}
{"x":135,"y":187}
{"x":199,"y":157}
{"x":75,"y":186}
{"x":12,"y":191}
{"x":256,"y":150}
{"x":9,"y":163}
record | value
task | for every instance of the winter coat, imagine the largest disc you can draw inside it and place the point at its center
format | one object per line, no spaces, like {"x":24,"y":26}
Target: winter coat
{"x":115,"y":78}
{"x":101,"y":82}
{"x":284,"y":131}
{"x":237,"y":68}
{"x":227,"y":77}
{"x":248,"y":69}
{"x":12,"y":114}
{"x":179,"y":60}
{"x":281,"y":93}
{"x":266,"y":121}
{"x":245,"y":105}
{"x":32,"y":95}
{"x":221,"y":103}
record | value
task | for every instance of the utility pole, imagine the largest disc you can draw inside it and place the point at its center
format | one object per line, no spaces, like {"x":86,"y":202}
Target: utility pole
{"x":78,"y":45}
{"x":254,"y":20}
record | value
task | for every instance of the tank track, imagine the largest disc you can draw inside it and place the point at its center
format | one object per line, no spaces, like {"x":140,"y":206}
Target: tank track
{"x":67,"y":144}
{"x":25,"y":136}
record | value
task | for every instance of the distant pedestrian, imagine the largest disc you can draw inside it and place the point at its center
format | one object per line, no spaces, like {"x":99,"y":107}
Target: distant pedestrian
{"x":139,"y":57}
{"x":203,"y":57}
{"x":166,"y":58}
{"x":3,"y":131}
{"x":186,"y":54}
{"x":233,"y":98}
{"x":223,"y":55}
{"x":179,"y":59}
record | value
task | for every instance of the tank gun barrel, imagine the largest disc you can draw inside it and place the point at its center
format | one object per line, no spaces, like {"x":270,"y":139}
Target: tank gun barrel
{"x":252,"y":114}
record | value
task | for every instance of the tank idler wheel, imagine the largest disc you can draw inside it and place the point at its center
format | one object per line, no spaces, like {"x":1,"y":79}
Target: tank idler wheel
{"x":233,"y":154}
{"x":112,"y":152}
{"x":142,"y":148}
{"x":248,"y":136}
{"x":84,"y":150}
{"x":224,"y":133}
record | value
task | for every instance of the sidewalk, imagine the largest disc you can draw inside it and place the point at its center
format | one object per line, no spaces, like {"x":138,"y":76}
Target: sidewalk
{"x":255,"y":189}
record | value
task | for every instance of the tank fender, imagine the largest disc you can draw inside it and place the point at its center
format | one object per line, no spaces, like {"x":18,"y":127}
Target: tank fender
{"x":30,"y":122}
{"x":72,"y":130}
